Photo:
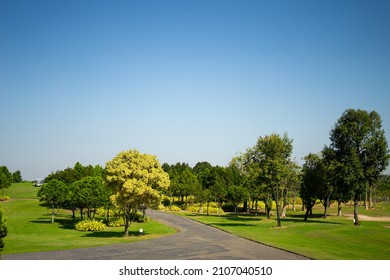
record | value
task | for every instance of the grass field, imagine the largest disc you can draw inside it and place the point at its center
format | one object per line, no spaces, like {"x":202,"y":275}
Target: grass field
{"x":334,"y":238}
{"x":30,"y":228}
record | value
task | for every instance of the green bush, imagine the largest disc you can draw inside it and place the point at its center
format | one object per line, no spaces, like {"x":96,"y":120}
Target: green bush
{"x":116,"y":222}
{"x":87,"y":225}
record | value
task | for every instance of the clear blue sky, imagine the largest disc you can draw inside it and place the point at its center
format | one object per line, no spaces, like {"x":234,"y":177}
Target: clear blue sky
{"x":187,"y":81}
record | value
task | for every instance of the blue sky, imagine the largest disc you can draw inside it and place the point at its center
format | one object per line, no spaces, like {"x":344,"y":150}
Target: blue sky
{"x":187,"y":81}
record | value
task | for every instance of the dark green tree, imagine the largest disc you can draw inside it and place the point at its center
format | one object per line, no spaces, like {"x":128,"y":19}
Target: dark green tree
{"x":53,"y":194}
{"x":237,"y":195}
{"x":17,"y":177}
{"x":312,"y":182}
{"x":89,"y":193}
{"x":3,"y":231}
{"x":361,"y":152}
{"x":5,"y":177}
{"x":271,"y":156}
{"x":219,"y":184}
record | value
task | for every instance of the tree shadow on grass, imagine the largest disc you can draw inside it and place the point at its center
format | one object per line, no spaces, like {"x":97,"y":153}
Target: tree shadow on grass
{"x":313,"y":219}
{"x":112,"y":234}
{"x":233,"y":225}
{"x":63,"y":223}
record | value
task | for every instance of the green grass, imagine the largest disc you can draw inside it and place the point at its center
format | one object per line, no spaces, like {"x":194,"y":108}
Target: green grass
{"x":334,"y":238}
{"x":30,"y":228}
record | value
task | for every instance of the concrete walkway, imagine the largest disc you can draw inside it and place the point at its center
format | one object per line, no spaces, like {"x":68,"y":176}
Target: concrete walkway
{"x":194,"y":241}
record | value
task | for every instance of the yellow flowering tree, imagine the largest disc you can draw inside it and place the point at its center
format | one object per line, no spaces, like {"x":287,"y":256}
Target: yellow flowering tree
{"x":135,"y":179}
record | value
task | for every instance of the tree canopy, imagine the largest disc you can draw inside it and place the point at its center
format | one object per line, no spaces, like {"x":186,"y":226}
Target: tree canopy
{"x":360,"y":151}
{"x":136,"y":179}
{"x":5,"y":177}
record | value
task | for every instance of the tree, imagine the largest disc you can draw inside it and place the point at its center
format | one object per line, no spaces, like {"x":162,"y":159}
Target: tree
{"x":89,"y":193}
{"x":218,"y":188}
{"x":136,"y":179}
{"x":53,"y":194}
{"x":3,"y":231}
{"x":5,"y":177}
{"x":361,"y":152}
{"x":312,"y":181}
{"x":290,"y":181}
{"x":17,"y":177}
{"x":271,"y":156}
{"x":237,"y":194}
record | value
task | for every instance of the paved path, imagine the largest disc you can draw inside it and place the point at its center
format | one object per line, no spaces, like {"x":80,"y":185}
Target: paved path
{"x":194,"y":241}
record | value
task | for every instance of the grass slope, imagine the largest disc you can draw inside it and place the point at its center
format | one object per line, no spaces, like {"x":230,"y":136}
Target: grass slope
{"x":30,"y":228}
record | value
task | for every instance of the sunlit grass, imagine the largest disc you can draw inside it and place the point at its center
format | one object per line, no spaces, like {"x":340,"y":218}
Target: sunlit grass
{"x":318,"y":238}
{"x":30,"y":228}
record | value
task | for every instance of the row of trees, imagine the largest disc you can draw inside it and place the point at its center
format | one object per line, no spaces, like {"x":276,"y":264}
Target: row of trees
{"x":80,"y":187}
{"x":349,"y":167}
{"x":206,"y":183}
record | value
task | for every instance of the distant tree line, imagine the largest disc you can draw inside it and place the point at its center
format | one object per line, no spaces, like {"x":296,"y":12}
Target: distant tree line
{"x":348,"y":169}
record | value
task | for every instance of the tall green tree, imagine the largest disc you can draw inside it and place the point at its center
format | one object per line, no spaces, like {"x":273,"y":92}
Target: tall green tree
{"x":17,"y":177}
{"x":5,"y":177}
{"x":237,"y":195}
{"x":312,"y":182}
{"x":271,"y":156}
{"x":361,"y":152}
{"x":89,"y":193}
{"x":136,"y":179}
{"x":219,"y":185}
{"x":53,"y":194}
{"x":3,"y":231}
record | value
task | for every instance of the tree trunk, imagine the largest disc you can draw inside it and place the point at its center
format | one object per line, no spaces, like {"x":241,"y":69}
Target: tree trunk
{"x":366,"y":199}
{"x":127,"y":225}
{"x":370,"y":194}
{"x":326,"y":206}
{"x":355,"y":210}
{"x":285,"y":204}
{"x":306,"y":214}
{"x":339,"y":208}
{"x":108,"y":216}
{"x":278,"y":223}
{"x":236,"y":208}
{"x":293,"y":203}
{"x":52,"y":213}
{"x":256,"y":207}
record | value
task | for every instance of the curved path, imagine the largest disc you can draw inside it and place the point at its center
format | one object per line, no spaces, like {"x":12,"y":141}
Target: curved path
{"x":194,"y":241}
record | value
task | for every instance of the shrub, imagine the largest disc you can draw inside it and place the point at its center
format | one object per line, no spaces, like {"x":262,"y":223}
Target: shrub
{"x":93,"y":225}
{"x":213,"y":208}
{"x":4,"y":198}
{"x":174,"y":208}
{"x":116,"y":222}
{"x":160,"y":207}
{"x":101,"y":212}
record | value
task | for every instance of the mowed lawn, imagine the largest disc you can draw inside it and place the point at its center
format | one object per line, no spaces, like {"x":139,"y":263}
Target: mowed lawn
{"x":334,"y":238}
{"x":30,"y":228}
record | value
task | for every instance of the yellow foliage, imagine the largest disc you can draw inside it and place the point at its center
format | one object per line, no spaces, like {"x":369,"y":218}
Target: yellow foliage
{"x":135,"y":179}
